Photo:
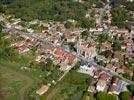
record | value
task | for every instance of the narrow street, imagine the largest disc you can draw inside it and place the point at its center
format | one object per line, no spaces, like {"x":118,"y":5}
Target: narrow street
{"x":64,"y":48}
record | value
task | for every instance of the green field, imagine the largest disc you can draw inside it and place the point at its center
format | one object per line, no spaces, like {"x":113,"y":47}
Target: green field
{"x":70,"y":88}
{"x":37,"y":75}
{"x":11,"y":84}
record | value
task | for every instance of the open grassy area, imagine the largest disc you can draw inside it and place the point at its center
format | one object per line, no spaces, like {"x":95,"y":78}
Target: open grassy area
{"x":88,"y":96}
{"x":39,"y":77}
{"x":69,"y":88}
{"x":11,"y":84}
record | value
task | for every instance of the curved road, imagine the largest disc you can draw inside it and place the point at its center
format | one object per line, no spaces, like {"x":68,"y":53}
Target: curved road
{"x":28,"y":80}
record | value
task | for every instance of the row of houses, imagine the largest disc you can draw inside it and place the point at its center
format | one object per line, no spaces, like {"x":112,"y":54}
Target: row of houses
{"x":104,"y":81}
{"x":58,"y":56}
{"x":21,"y":46}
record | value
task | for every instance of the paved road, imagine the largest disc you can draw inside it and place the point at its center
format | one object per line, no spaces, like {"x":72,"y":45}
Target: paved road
{"x":103,"y":10}
{"x":29,"y":81}
{"x":65,"y":48}
{"x":79,"y":56}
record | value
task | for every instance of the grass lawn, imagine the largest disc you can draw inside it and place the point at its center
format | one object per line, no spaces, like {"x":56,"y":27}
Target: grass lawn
{"x":88,"y":96}
{"x":39,"y":77}
{"x":70,"y":88}
{"x":11,"y":84}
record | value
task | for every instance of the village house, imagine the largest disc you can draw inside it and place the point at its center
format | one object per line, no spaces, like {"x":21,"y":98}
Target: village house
{"x":67,"y":61}
{"x":97,"y":73}
{"x":19,"y":27}
{"x":116,"y":56}
{"x":77,"y":31}
{"x":86,"y":69}
{"x":22,"y":47}
{"x":71,"y":58}
{"x":71,"y":38}
{"x":102,"y":82}
{"x":42,"y":90}
{"x":105,"y":46}
{"x":64,"y":66}
{"x":96,"y":30}
{"x":34,"y":22}
{"x":25,"y":37}
{"x":111,"y":67}
{"x":89,"y":52}
{"x":39,"y":58}
{"x":100,"y":58}
{"x":56,"y":40}
{"x":30,"y":30}
{"x":91,"y":89}
{"x":64,"y":59}
{"x":114,"y":87}
{"x":58,"y":52}
{"x":47,"y":47}
{"x":117,"y":86}
{"x":121,"y":69}
{"x":2,"y":18}
{"x":34,"y":42}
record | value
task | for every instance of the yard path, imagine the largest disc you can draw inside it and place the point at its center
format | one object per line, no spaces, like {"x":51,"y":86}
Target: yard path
{"x":29,"y":81}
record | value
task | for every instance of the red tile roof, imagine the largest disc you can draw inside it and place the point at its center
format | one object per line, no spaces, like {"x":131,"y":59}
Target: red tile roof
{"x":22,"y":47}
{"x":59,"y":52}
{"x":111,"y":66}
{"x":106,"y":46}
{"x":104,"y":77}
{"x":42,"y":90}
{"x":47,"y":46}
{"x":71,"y":57}
{"x":97,"y":72}
{"x":117,"y":55}
{"x":116,"y":81}
{"x":62,"y":59}
{"x":112,"y":88}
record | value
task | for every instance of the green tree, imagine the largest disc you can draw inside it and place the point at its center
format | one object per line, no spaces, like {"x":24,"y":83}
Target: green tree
{"x":102,"y":63}
{"x":1,"y":93}
{"x":128,"y":76}
{"x":117,"y":43}
{"x":77,"y":66}
{"x":88,"y":96}
{"x":0,"y":28}
{"x":120,"y":15}
{"x":130,"y":6}
{"x":105,"y":96}
{"x":68,"y":25}
{"x":57,"y":10}
{"x":85,"y":34}
{"x":107,"y":54}
{"x":1,"y":34}
{"x":103,"y":38}
{"x":131,"y":87}
{"x":85,"y":23}
{"x":125,"y":95}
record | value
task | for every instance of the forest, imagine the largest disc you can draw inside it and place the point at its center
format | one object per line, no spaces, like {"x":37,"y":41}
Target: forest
{"x":57,"y":10}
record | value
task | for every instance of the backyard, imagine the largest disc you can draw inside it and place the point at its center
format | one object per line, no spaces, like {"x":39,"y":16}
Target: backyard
{"x":70,"y":88}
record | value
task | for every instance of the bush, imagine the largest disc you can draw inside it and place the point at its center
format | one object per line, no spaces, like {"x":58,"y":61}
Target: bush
{"x":106,"y":96}
{"x":125,"y":95}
